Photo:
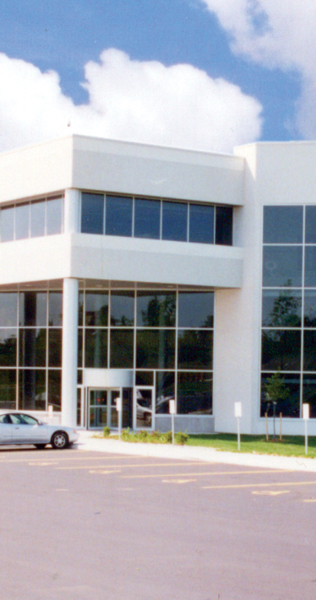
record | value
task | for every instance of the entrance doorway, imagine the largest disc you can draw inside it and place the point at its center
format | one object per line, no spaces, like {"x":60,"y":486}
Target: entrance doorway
{"x":102,"y":408}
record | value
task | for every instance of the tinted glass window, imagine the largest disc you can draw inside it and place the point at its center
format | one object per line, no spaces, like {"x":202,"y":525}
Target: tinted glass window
{"x":201,"y":224}
{"x":165,"y":391}
{"x":7,"y":388}
{"x":283,"y":225}
{"x":119,"y":216}
{"x":32,"y":347}
{"x":7,"y":224}
{"x":54,"y":388}
{"x":8,"y":309}
{"x":195,"y":349}
{"x":174,"y":221}
{"x":281,"y":349}
{"x":121,"y":349}
{"x":147,"y":219}
{"x":310,"y":350}
{"x":281,"y":308}
{"x":195,"y":393}
{"x":122,"y":308}
{"x":156,"y":310}
{"x":22,"y":213}
{"x":8,"y":343}
{"x":310,"y":266}
{"x":155,"y":349}
{"x":290,"y":406}
{"x":196,"y":309}
{"x":310,"y":308}
{"x":55,"y":309}
{"x":54,"y":347}
{"x":96,"y":308}
{"x":92,"y":209}
{"x":33,"y":307}
{"x":282,"y":266}
{"x":32,"y":395}
{"x":96,"y":348}
{"x":310,"y":225}
{"x":37,"y":219}
{"x":54,"y":216}
{"x":224,"y":225}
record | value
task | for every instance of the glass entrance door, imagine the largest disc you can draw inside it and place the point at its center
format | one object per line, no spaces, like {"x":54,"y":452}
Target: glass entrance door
{"x":102,"y":408}
{"x":144,"y":407}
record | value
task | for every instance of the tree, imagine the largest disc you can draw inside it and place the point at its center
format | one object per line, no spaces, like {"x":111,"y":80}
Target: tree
{"x":276,"y":391}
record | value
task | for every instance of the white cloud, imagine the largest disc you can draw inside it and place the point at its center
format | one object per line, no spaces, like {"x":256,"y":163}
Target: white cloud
{"x":132,"y":100}
{"x":276,"y":34}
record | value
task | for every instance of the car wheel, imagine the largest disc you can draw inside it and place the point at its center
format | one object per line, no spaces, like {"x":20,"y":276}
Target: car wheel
{"x":40,"y":446}
{"x":60,"y":440}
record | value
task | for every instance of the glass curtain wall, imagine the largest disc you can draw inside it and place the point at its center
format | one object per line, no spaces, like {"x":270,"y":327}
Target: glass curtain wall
{"x":289,"y":308}
{"x":166,"y":337}
{"x":30,"y":349}
{"x":31,"y":219}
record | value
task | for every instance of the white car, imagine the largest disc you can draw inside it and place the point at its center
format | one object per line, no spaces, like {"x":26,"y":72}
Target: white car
{"x":21,"y":428}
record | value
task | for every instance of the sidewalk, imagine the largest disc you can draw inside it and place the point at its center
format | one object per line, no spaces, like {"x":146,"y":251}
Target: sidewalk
{"x":87,"y":441}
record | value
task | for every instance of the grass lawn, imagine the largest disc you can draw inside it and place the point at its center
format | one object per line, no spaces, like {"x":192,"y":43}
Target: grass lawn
{"x":290,"y":446}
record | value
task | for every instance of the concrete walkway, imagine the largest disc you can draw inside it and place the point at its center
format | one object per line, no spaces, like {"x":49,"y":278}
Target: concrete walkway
{"x":88,"y":441}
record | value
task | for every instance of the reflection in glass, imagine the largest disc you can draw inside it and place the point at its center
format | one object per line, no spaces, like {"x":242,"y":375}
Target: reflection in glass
{"x":54,"y":347}
{"x":310,"y":225}
{"x":290,"y":407}
{"x":224,"y":225}
{"x":283,"y":225}
{"x":281,"y":308}
{"x":144,"y":408}
{"x":174,"y":221}
{"x":309,"y":393}
{"x":144,"y":378}
{"x":98,"y":416}
{"x":310,"y":266}
{"x":54,"y":216}
{"x":155,"y":349}
{"x":7,"y":224}
{"x":80,"y":309}
{"x":80,"y":348}
{"x":32,"y":347}
{"x":37,"y":218}
{"x":22,"y":212}
{"x":33,"y":308}
{"x":32,"y":394}
{"x":54,"y":388}
{"x":282,"y":266}
{"x":7,"y":388}
{"x":156,"y":309}
{"x":147,"y":219}
{"x":165,"y":391}
{"x":8,"y":309}
{"x":92,"y":210}
{"x":119,"y":215}
{"x":195,"y":349}
{"x":8,"y":345}
{"x":196,"y":309}
{"x":55,"y":309}
{"x":310,"y":350}
{"x":96,"y":308}
{"x":194,"y":393}
{"x":201,"y":223}
{"x":281,"y":349}
{"x":121,"y":349}
{"x":310,"y":308}
{"x":122,"y":309}
{"x":96,"y":348}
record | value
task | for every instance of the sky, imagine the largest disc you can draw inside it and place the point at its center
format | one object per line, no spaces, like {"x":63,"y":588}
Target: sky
{"x":201,"y":74}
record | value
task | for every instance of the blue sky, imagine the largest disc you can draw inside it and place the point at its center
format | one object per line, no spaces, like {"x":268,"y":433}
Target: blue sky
{"x":205,"y":74}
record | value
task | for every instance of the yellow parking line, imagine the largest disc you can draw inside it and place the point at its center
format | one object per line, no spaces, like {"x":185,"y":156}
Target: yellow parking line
{"x":139,"y":466}
{"x":251,"y":485}
{"x":202,"y":474}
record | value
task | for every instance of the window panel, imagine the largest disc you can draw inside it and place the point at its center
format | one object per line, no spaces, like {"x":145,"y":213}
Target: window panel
{"x":54,"y":389}
{"x":55,"y":309}
{"x":96,"y":343}
{"x":224,"y":225}
{"x":310,"y":266}
{"x":92,"y":213}
{"x":96,"y":312}
{"x":281,"y":349}
{"x":282,"y":266}
{"x":309,"y":393}
{"x":54,"y":216}
{"x":310,"y":350}
{"x":8,"y":309}
{"x":37,"y":218}
{"x":201,"y":224}
{"x":54,"y":347}
{"x":7,"y":389}
{"x":33,"y":308}
{"x":290,"y":407}
{"x":283,"y":225}
{"x":195,"y":393}
{"x":122,"y":309}
{"x":196,"y":309}
{"x":22,"y":218}
{"x":7,"y":224}
{"x":165,"y":391}
{"x":155,"y":349}
{"x":32,"y":391}
{"x":32,"y":347}
{"x":8,"y":347}
{"x":281,"y":308}
{"x":119,"y":216}
{"x":156,"y":309}
{"x":121,"y":349}
{"x":174,"y":221}
{"x":195,"y":349}
{"x":147,"y":219}
{"x":310,"y":225}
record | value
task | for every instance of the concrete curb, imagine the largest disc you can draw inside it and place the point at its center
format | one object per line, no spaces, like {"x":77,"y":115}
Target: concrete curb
{"x":88,"y":442}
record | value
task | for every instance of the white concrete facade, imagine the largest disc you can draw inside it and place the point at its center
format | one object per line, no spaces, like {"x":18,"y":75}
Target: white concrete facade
{"x":258,"y":175}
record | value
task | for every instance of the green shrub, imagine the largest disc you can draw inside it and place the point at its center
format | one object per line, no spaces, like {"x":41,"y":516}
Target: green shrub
{"x":168,"y":437}
{"x":106,"y":431}
{"x":181,"y":438}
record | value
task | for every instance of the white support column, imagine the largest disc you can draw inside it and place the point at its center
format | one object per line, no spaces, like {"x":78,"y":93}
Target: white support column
{"x":71,"y":211}
{"x":70,"y":352}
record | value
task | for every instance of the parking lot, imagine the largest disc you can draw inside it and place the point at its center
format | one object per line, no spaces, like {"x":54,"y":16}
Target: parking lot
{"x":92,"y":526}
